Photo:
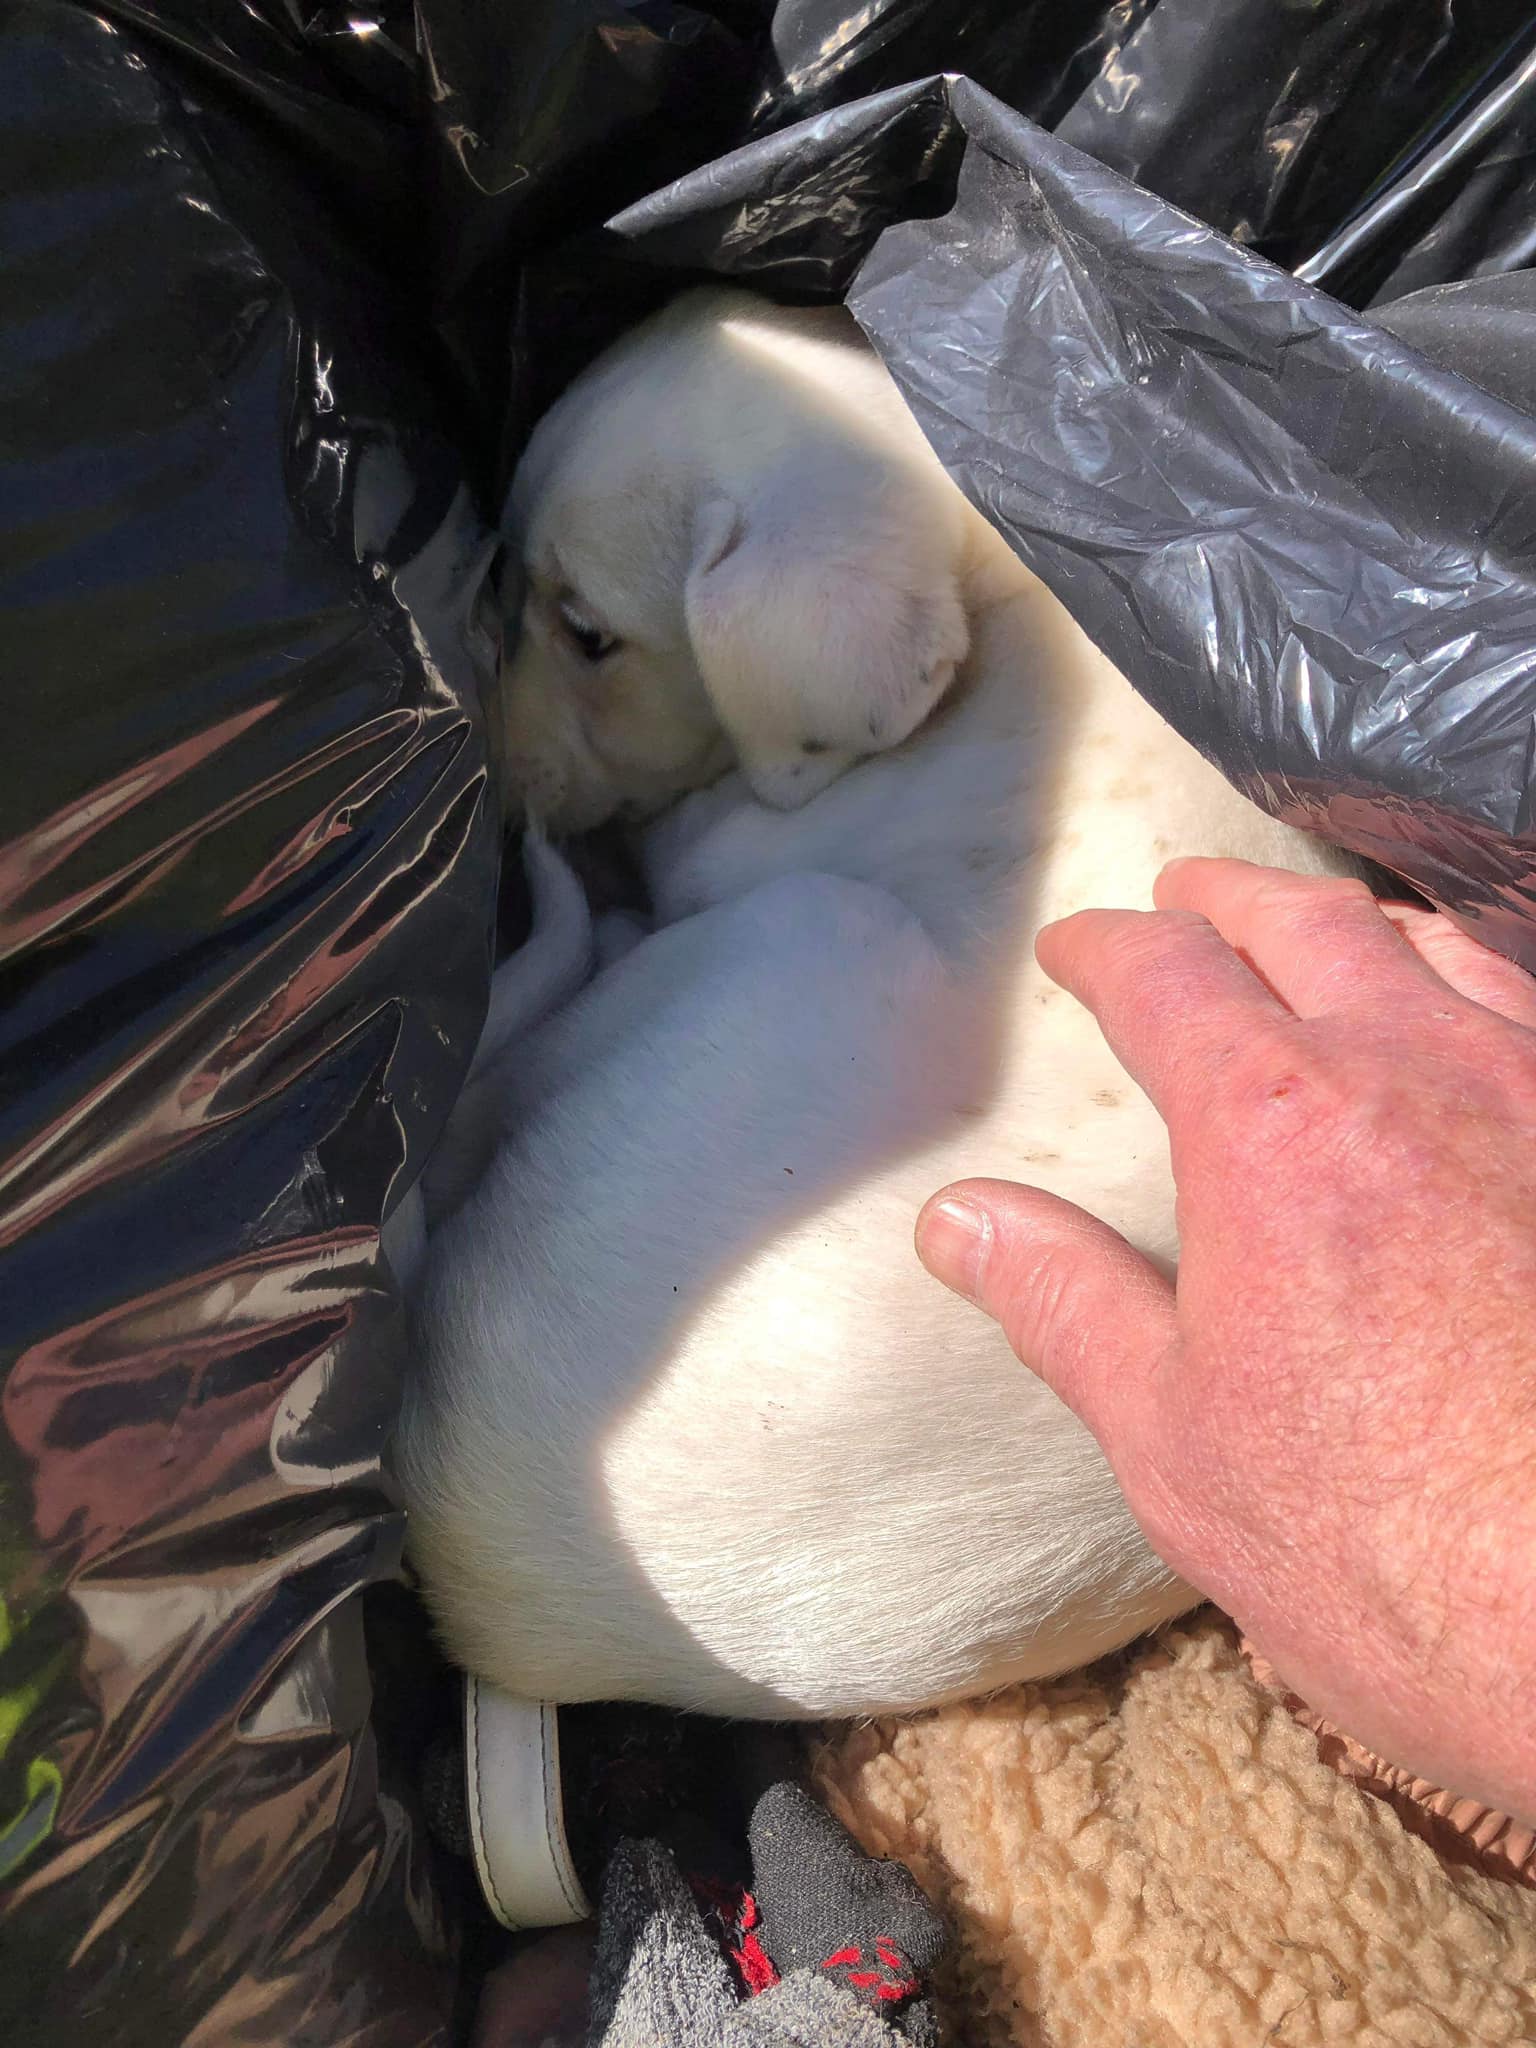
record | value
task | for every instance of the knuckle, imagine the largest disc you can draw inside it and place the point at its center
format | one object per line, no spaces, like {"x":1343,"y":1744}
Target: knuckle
{"x":1495,"y":1072}
{"x":1140,"y":935}
{"x":1348,"y":889}
{"x":1265,"y":1063}
{"x":1157,"y":956}
{"x":1275,"y":1096}
{"x":1318,"y":901}
{"x":1041,"y":1317}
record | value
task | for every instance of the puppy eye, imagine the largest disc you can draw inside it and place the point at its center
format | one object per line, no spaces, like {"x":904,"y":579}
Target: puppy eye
{"x":589,"y":640}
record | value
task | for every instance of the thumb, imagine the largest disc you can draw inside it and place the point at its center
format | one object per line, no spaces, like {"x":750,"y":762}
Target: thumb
{"x":1080,"y":1306}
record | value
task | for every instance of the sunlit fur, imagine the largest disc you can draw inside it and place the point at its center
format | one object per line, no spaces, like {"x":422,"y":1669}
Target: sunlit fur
{"x":692,"y":1423}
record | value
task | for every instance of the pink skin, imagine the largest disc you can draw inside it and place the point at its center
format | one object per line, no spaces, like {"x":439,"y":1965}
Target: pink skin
{"x":539,"y":1999}
{"x":1329,"y":1425}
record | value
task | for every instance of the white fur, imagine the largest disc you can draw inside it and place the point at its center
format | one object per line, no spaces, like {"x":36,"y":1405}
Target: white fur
{"x":693,"y":1424}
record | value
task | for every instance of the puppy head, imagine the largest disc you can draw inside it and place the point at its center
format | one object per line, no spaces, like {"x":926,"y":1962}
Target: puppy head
{"x":737,"y":550}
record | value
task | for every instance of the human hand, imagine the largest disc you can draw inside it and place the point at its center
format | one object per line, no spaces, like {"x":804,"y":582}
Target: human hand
{"x":1329,"y":1425}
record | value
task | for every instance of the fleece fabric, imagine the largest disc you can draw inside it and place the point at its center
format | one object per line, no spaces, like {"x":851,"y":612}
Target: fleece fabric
{"x":1153,"y":1855}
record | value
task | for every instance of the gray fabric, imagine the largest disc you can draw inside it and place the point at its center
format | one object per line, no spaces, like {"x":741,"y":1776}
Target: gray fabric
{"x":659,"y":1980}
{"x":817,"y":1891}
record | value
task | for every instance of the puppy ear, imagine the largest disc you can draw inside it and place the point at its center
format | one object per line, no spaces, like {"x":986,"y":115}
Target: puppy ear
{"x":826,"y":621}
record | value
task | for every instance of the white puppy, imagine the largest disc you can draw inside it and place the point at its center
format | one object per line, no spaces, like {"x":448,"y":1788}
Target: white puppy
{"x":693,"y":1424}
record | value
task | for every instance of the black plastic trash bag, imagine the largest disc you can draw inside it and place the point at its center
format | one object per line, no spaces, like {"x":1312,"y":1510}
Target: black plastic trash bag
{"x":282,"y":287}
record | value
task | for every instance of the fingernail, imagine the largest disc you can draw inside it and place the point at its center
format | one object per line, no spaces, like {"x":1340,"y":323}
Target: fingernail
{"x":953,"y":1241}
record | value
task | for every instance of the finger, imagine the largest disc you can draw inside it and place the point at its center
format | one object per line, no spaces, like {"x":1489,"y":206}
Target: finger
{"x":1319,"y":941}
{"x":1080,"y":1306}
{"x":1473,"y":970}
{"x":1170,"y":995}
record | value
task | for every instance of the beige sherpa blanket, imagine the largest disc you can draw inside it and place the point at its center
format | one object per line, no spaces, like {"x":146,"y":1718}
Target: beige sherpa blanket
{"x":1153,"y":1855}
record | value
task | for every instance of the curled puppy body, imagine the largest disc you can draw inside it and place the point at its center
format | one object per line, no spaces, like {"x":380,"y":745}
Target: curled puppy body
{"x":693,"y":1424}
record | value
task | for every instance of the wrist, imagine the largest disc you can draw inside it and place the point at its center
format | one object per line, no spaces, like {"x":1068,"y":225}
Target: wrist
{"x":1451,"y":1634}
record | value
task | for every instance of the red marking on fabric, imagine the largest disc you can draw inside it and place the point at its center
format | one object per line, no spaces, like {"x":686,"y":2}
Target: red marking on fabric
{"x":734,"y":1914}
{"x":755,"y":1965}
{"x":899,"y":1984}
{"x":750,"y":1957}
{"x":907,"y":1987}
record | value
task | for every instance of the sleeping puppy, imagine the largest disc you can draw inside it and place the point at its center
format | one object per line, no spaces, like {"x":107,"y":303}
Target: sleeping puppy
{"x":693,"y":1424}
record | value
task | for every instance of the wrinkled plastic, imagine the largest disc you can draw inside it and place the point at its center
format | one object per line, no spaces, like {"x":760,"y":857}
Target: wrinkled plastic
{"x":248,"y":867}
{"x":1313,"y":549}
{"x":283,"y":287}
